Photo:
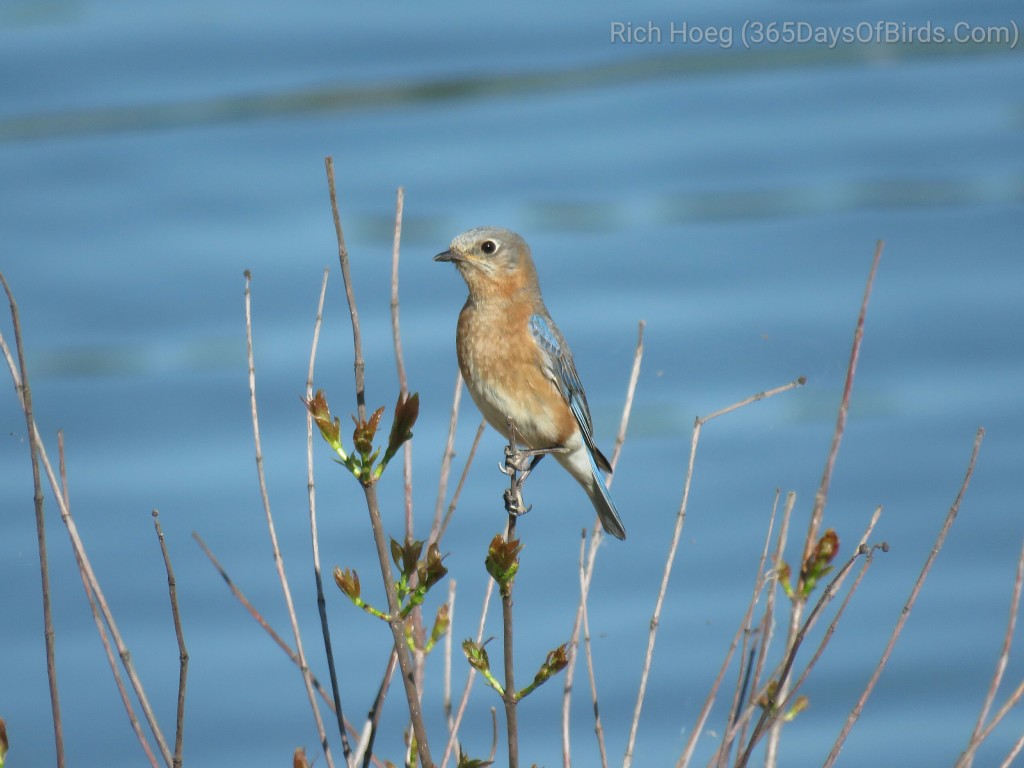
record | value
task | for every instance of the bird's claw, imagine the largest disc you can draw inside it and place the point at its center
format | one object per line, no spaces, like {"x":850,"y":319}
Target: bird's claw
{"x":515,"y":461}
{"x":514,"y":504}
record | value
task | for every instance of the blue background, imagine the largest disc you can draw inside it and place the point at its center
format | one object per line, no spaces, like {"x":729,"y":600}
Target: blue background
{"x":731,"y":198}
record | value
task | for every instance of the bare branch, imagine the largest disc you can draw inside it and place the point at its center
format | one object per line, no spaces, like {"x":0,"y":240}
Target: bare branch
{"x":458,"y":488}
{"x":258,"y":617}
{"x":743,"y":631}
{"x":470,"y":677}
{"x":798,"y":382}
{"x":597,"y":535}
{"x":446,"y":459}
{"x":627,"y":408}
{"x":85,"y":566}
{"x":967,"y":758}
{"x":357,"y":340}
{"x":403,"y":382}
{"x":307,"y":676}
{"x":1017,"y":747}
{"x":447,"y":691}
{"x":771,"y":712}
{"x":321,"y":602}
{"x":365,"y":751}
{"x":101,"y":628}
{"x":598,"y":728}
{"x":842,"y":607}
{"x":908,"y":607}
{"x":673,"y":547}
{"x":509,"y":696}
{"x":172,"y":589}
{"x":737,"y":731}
{"x":25,"y":396}
{"x":818,"y":512}
{"x":405,"y":661}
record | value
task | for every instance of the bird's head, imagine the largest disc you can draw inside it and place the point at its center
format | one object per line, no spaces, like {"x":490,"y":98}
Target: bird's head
{"x":492,"y":260}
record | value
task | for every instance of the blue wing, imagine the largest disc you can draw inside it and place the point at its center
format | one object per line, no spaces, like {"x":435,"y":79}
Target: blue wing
{"x":557,"y":360}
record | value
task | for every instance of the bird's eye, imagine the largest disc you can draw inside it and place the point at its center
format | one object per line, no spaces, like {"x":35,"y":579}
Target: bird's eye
{"x":488,"y":247}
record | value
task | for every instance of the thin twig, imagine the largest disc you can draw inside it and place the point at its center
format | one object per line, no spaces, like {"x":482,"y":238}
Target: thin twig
{"x":967,"y":758}
{"x":783,"y":702}
{"x":778,"y":703}
{"x":240,"y":596}
{"x":448,"y":636}
{"x":397,"y":626}
{"x":662,"y":590}
{"x":743,"y":631}
{"x":748,"y":655}
{"x":446,"y":459}
{"x":908,"y":607}
{"x":818,"y":511}
{"x":627,"y":408}
{"x":365,"y":750}
{"x":784,"y":693}
{"x":494,"y":736}
{"x":321,"y":602}
{"x":821,"y":496}
{"x":705,"y":711}
{"x":85,"y":568}
{"x":101,"y":628}
{"x":357,"y":341}
{"x":470,"y":677}
{"x":673,"y":547}
{"x":25,"y":396}
{"x":509,"y":696}
{"x":307,"y":676}
{"x":767,"y":629}
{"x":172,"y":589}
{"x":770,"y":713}
{"x":842,"y":606}
{"x":258,"y":617}
{"x":589,"y":657}
{"x":1012,"y":701}
{"x":403,"y":382}
{"x":797,"y":382}
{"x":597,"y":534}
{"x":416,"y":617}
{"x":458,"y":488}
{"x":1017,"y":747}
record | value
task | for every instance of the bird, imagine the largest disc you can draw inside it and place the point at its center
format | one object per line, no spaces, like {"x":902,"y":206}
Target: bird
{"x":517,"y":365}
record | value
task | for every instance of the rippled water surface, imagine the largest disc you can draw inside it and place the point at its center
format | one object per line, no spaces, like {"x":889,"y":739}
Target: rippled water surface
{"x":730,"y":198}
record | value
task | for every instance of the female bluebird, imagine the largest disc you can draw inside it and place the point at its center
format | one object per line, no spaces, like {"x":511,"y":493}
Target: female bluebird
{"x":517,"y":365}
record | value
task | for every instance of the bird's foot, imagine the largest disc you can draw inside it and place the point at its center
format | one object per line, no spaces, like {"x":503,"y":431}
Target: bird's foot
{"x":517,"y":461}
{"x":514,"y":503}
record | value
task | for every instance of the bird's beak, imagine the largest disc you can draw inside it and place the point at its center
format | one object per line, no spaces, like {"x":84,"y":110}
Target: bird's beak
{"x":448,"y":256}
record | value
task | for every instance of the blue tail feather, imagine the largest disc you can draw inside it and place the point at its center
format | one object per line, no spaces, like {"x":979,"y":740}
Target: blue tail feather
{"x":603,"y":503}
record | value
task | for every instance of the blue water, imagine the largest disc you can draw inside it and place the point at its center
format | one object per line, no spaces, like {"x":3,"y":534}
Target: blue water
{"x":729,"y":198}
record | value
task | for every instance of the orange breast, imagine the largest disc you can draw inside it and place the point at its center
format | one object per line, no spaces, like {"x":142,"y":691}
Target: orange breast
{"x":500,"y":362}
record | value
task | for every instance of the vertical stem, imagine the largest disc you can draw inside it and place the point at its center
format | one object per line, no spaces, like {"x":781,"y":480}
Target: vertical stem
{"x":509,"y":698}
{"x":300,"y":654}
{"x":25,"y":395}
{"x":397,"y":626}
{"x":101,"y":628}
{"x":821,"y":497}
{"x":172,"y":589}
{"x":357,"y":339}
{"x":321,"y":603}
{"x":954,"y":510}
